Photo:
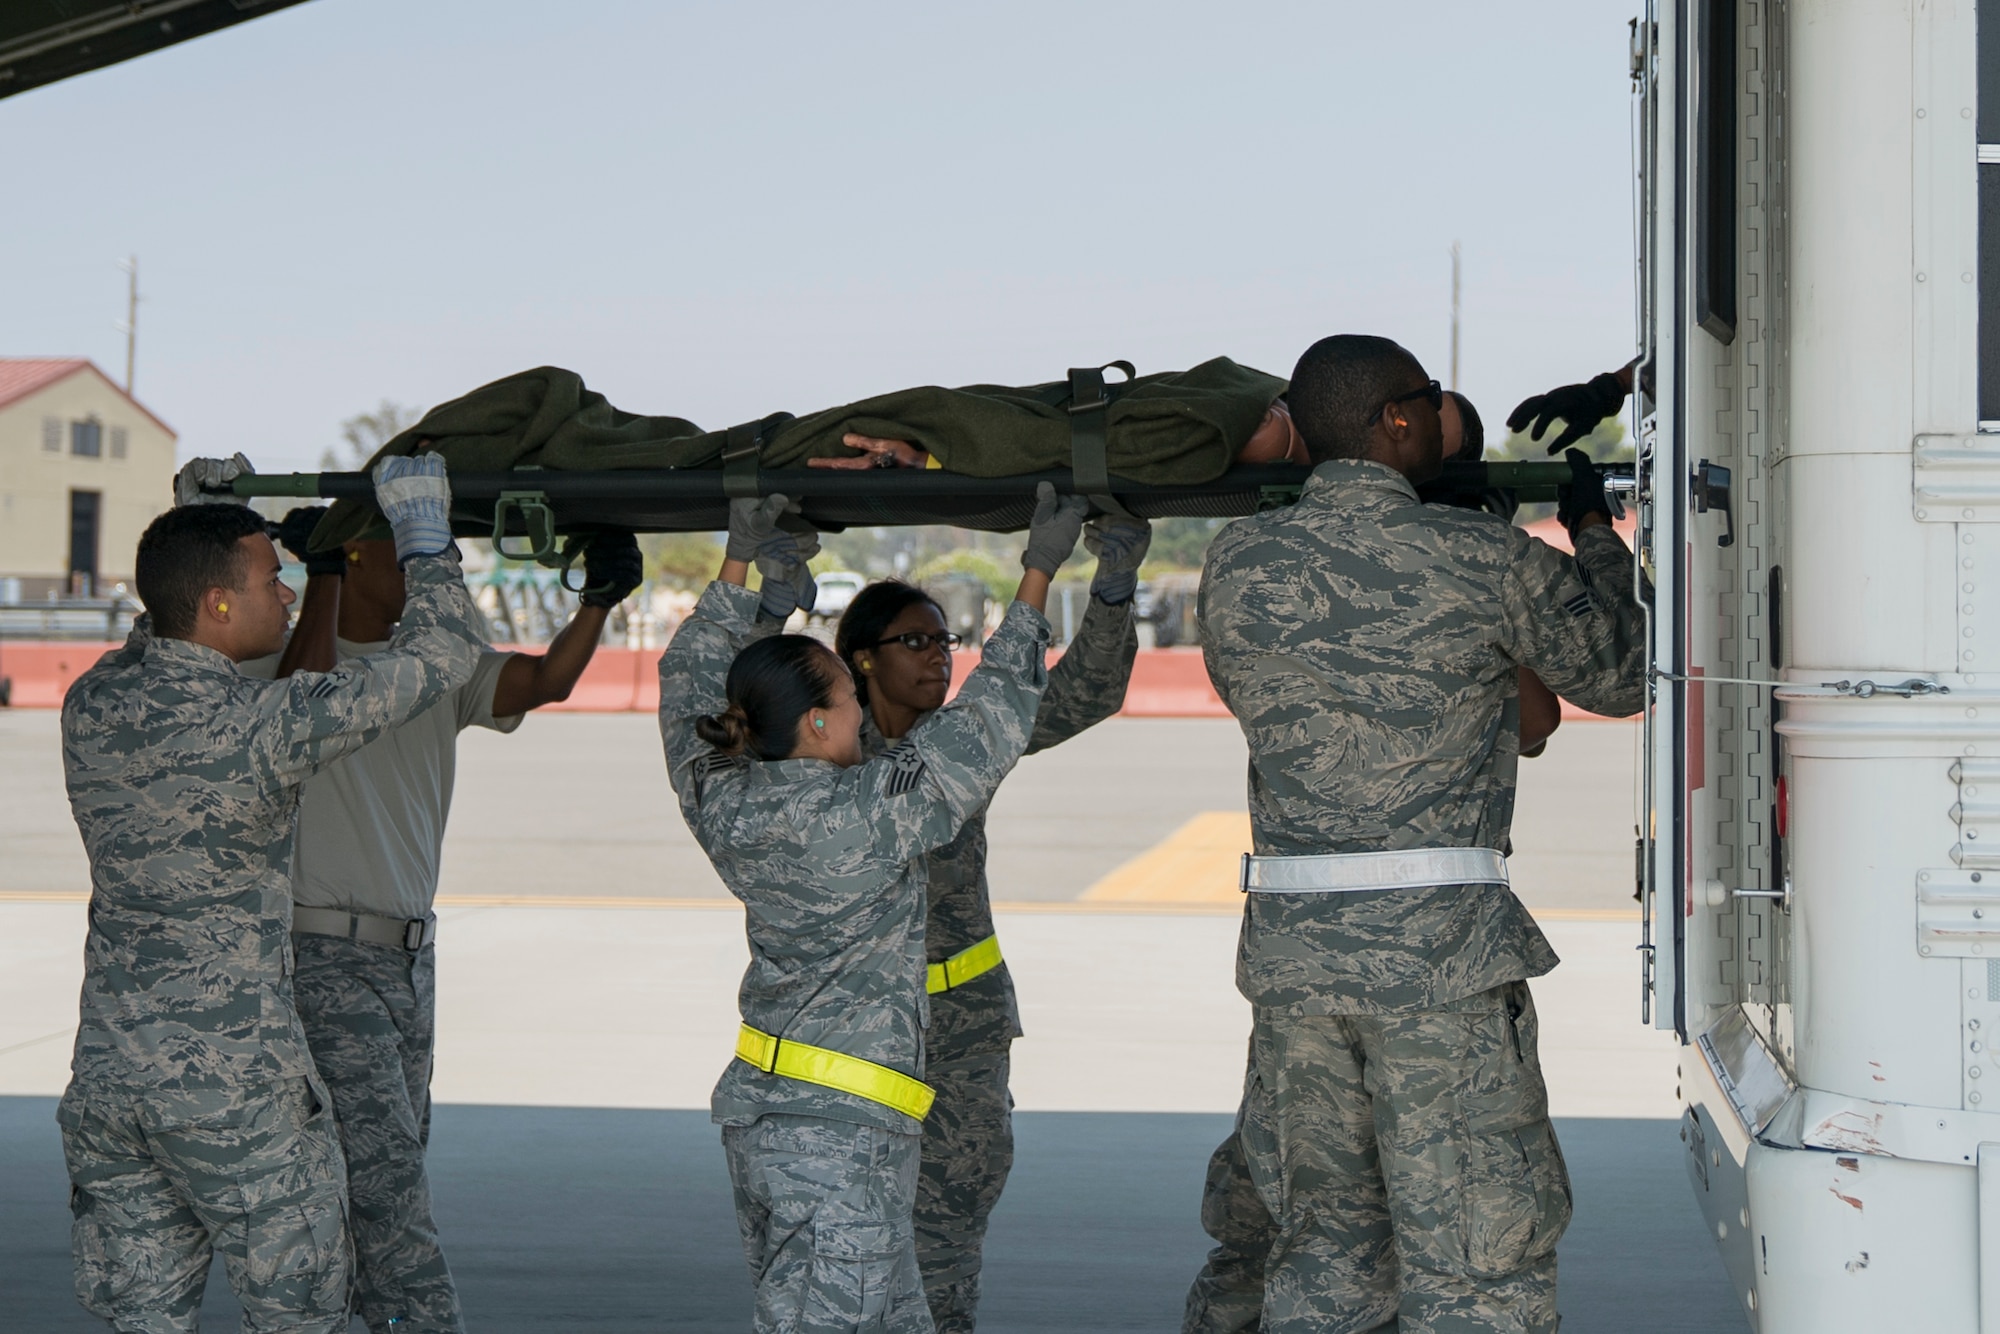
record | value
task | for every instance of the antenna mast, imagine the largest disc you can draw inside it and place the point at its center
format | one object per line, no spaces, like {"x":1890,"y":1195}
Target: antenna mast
{"x":129,"y":326}
{"x":1454,"y":316}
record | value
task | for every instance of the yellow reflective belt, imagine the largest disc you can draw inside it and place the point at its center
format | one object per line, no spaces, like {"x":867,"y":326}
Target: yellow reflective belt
{"x":835,"y":1070}
{"x":970,"y":962}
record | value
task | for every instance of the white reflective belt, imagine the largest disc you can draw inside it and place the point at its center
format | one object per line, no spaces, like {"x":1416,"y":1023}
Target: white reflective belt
{"x":412,"y":935}
{"x":1358,"y":872}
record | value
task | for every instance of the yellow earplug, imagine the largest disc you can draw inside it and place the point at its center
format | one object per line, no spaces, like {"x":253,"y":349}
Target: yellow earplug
{"x":222,"y":606}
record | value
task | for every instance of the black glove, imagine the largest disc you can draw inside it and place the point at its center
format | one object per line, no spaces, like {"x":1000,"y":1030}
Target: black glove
{"x":1583,"y":494}
{"x":1580,"y":407}
{"x":612,"y":568}
{"x":295,"y":530}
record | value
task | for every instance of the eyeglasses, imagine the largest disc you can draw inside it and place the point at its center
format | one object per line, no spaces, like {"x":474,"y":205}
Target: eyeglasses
{"x":1432,"y":393}
{"x":917,"y":643}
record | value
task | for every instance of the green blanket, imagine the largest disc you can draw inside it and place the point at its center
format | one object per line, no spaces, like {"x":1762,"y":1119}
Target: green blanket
{"x":1178,"y":427}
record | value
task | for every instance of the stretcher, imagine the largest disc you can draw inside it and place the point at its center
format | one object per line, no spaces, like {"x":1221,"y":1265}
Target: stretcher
{"x":528,"y":512}
{"x":1168,"y":428}
{"x":537,"y":458}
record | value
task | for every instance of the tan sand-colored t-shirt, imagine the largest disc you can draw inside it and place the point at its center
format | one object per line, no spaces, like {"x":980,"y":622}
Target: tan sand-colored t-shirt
{"x":371,"y":826}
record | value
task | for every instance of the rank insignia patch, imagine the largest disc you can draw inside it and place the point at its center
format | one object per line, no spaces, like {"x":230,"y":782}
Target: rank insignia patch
{"x":907,"y":769}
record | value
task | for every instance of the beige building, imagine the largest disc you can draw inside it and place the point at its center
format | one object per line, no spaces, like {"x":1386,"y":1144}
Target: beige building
{"x":83,"y":470}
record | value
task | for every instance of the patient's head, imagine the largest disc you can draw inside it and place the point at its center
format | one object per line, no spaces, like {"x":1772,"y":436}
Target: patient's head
{"x":1464,"y":433}
{"x":1275,"y":440}
{"x":1465,"y":441}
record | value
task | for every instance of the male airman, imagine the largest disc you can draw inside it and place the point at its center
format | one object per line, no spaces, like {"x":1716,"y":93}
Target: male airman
{"x":1394,"y":1123}
{"x":370,"y":840}
{"x":194,"y":1122}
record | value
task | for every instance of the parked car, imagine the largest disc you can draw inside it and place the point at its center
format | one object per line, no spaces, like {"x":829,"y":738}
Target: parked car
{"x":836,"y":590}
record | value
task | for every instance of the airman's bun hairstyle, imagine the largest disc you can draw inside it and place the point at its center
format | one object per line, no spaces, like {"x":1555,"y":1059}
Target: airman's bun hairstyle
{"x":728,"y":731}
{"x":772,"y":684}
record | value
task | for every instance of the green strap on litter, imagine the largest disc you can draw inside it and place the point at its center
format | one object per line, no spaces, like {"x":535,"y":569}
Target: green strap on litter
{"x":1089,"y":467}
{"x":741,"y":452}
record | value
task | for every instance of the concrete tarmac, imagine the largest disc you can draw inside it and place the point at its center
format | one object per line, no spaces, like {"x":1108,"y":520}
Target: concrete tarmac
{"x":588,"y":961}
{"x":578,"y":804}
{"x":635,"y":1007}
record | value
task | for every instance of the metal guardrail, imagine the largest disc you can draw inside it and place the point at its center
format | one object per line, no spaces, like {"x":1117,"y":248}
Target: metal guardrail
{"x":68,"y":619}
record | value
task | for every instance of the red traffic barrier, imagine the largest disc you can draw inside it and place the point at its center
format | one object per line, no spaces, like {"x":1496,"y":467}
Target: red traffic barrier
{"x":41,"y":672}
{"x":1166,"y":682}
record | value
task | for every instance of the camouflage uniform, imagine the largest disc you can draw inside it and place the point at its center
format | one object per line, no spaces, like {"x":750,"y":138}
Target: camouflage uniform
{"x":194,"y":1119}
{"x":969,"y":1134}
{"x":370,"y":1014}
{"x":1394,"y":1122}
{"x":1228,"y":1293}
{"x":829,"y":864}
{"x":370,"y":837}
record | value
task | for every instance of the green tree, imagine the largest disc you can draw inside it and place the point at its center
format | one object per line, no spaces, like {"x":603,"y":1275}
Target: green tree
{"x":365,"y":432}
{"x":1180,"y":544}
{"x":681,"y":560}
{"x":998,"y":578}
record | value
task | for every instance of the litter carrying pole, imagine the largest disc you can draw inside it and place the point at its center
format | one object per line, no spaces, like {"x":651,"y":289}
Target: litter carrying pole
{"x":1534,"y":480}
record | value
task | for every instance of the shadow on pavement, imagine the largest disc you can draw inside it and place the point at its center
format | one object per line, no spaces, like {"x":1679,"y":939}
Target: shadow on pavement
{"x":614,"y":1221}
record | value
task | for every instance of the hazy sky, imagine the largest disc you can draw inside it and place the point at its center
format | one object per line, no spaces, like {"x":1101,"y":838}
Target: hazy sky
{"x":721,"y":211}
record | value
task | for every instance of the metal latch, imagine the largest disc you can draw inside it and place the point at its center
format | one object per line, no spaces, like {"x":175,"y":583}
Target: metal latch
{"x":536,"y":517}
{"x":1915,"y":688}
{"x":1710,"y":490}
{"x":1715,"y":893}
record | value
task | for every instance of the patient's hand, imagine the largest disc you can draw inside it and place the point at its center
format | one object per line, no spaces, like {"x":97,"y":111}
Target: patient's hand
{"x":876,"y":453}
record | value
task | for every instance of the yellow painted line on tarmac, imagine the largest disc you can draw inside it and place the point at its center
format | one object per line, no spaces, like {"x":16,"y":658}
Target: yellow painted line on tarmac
{"x":1197,"y":868}
{"x":1626,"y":915}
{"x":711,"y":904}
{"x":1201,"y":862}
{"x":1136,"y":908}
{"x":579,"y":901}
{"x":1230,"y":907}
{"x":1053,"y":907}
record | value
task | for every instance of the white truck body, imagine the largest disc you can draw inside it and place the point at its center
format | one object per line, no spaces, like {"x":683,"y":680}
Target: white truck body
{"x":1821,"y":862}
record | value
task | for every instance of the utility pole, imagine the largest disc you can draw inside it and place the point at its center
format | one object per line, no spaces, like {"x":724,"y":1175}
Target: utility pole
{"x":129,"y":326}
{"x":1454,"y":316}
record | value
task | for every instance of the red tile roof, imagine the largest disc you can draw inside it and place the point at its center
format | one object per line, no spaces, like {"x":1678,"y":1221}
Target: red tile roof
{"x":21,"y":376}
